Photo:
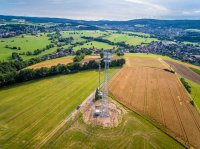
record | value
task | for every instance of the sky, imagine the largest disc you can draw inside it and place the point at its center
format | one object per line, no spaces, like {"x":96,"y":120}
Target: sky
{"x":103,"y":9}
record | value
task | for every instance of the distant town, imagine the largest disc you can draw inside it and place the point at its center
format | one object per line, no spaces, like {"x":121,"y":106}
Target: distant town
{"x":174,"y":40}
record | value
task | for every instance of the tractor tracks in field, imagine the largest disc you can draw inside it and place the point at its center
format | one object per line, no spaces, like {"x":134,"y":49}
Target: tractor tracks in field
{"x":145,"y":108}
{"x":67,"y":119}
{"x":186,"y":102}
{"x":178,"y":116}
{"x":160,"y":101}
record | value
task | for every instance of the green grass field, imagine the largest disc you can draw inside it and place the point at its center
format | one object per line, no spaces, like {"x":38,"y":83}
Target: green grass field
{"x":95,"y":33}
{"x":131,"y":40}
{"x":193,"y":43}
{"x":195,"y":94}
{"x":78,"y":34}
{"x":133,"y":132}
{"x":138,"y":33}
{"x":28,"y":43}
{"x":31,"y":43}
{"x":75,"y":34}
{"x":30,"y":111}
{"x":95,"y":45}
{"x":43,"y":53}
{"x":196,"y":70}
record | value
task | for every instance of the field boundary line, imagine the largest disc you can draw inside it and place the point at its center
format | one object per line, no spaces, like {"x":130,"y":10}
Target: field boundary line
{"x":164,"y":63}
{"x":180,"y":83}
{"x":189,"y":95}
{"x":185,"y":100}
{"x":188,"y":107}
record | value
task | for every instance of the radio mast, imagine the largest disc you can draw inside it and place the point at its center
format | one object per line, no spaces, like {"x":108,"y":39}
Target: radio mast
{"x":104,"y":101}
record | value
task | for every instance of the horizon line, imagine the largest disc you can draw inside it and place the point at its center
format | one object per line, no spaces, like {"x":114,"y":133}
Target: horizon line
{"x":159,"y":19}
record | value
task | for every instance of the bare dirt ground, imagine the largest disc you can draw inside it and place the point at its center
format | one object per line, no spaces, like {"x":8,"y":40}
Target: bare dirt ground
{"x":115,"y":114}
{"x":184,"y":71}
{"x":146,"y":88}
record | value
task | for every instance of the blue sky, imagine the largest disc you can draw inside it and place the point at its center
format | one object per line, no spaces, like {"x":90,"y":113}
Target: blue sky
{"x":103,"y":9}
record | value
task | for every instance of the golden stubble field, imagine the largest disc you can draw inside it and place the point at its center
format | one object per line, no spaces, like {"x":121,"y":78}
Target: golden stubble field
{"x":147,"y":89}
{"x":63,"y":60}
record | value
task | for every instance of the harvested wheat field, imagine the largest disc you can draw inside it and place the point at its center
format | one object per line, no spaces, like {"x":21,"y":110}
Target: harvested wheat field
{"x":184,"y":71}
{"x":146,"y":88}
{"x":53,"y":62}
{"x":144,"y":62}
{"x":91,"y":58}
{"x":63,"y":60}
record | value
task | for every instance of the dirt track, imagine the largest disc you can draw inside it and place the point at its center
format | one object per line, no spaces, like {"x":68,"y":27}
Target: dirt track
{"x":184,"y":71}
{"x":146,"y":88}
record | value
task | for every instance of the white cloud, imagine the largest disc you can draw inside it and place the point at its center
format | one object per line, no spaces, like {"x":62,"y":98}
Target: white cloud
{"x":197,"y":11}
{"x":193,"y":12}
{"x":60,"y":1}
{"x":104,"y":9}
{"x":148,"y":4}
{"x":16,"y":3}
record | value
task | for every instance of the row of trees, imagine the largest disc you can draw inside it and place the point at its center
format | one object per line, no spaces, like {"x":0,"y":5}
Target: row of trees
{"x":12,"y":66}
{"x":119,"y":52}
{"x":84,"y":51}
{"x":13,"y":48}
{"x":57,"y":39}
{"x":79,"y":58}
{"x":186,"y":85}
{"x":66,"y":40}
{"x":120,"y":44}
{"x":38,"y":51}
{"x":80,"y":54}
{"x":15,"y":56}
{"x":31,"y":74}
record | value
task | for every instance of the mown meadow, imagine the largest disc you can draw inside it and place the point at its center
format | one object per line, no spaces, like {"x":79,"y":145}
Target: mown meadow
{"x":30,"y":111}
